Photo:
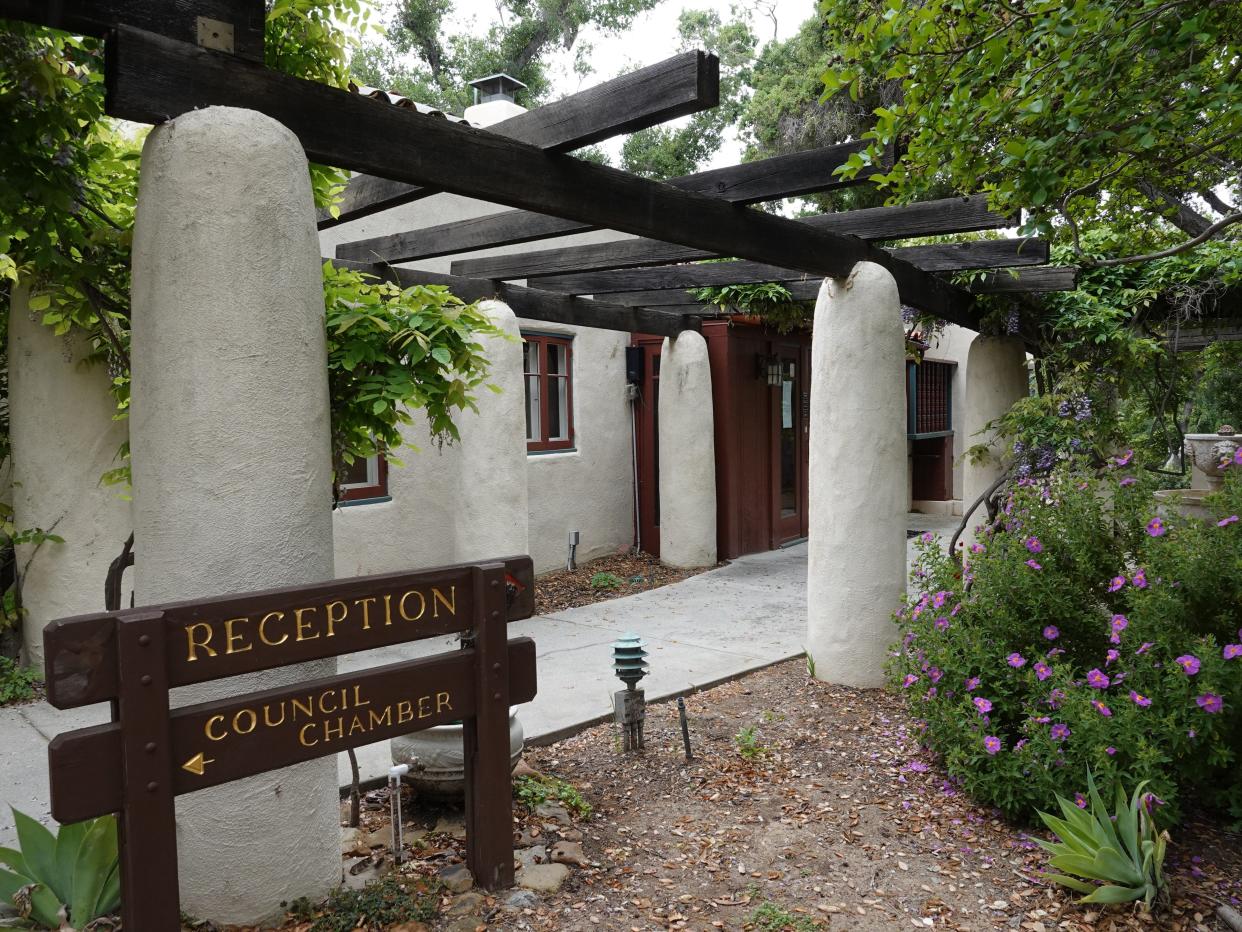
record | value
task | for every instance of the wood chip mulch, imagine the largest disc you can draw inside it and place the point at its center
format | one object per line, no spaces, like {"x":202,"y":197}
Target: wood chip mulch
{"x":562,"y":589}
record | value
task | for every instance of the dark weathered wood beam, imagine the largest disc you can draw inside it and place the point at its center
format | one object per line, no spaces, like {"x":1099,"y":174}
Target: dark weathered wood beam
{"x":533,"y":304}
{"x":512,"y":227}
{"x":685,"y":83}
{"x":1027,"y":281}
{"x":152,"y":79}
{"x":640,"y":252}
{"x":938,"y":257}
{"x":176,"y":19}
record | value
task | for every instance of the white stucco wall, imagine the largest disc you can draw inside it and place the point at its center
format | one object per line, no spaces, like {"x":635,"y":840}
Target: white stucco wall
{"x":952,"y":345}
{"x":231,"y":467}
{"x":64,"y":437}
{"x":588,"y":489}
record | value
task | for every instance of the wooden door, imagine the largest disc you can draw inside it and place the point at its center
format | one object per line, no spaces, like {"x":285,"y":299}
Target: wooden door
{"x":647,"y":426}
{"x":789,"y":445}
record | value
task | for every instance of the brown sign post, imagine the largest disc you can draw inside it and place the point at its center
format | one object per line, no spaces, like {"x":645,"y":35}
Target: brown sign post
{"x":149,"y":753}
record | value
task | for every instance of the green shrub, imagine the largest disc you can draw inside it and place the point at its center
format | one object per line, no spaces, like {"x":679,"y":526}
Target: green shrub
{"x":66,"y":879}
{"x":535,"y":791}
{"x":747,"y":742}
{"x":17,"y":683}
{"x":1084,"y":632}
{"x":1112,"y":858}
{"x":606,"y":581}
{"x":378,"y":905}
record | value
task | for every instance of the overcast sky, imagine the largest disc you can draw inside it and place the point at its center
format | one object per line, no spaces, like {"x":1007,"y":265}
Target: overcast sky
{"x":652,"y":37}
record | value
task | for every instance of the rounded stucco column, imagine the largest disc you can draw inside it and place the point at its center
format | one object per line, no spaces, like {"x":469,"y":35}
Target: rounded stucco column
{"x":64,"y":438}
{"x":231,"y":464}
{"x":857,"y":482}
{"x":996,"y":378}
{"x":687,"y":453}
{"x":493,"y":517}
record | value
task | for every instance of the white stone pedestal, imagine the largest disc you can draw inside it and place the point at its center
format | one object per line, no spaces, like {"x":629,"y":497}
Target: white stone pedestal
{"x":857,"y":482}
{"x":231,"y":466}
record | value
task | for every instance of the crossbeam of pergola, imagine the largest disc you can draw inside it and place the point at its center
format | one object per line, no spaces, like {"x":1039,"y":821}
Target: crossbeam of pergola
{"x":150,"y":79}
{"x":600,"y":275}
{"x":532,"y":304}
{"x":782,"y":176}
{"x":683,"y":84}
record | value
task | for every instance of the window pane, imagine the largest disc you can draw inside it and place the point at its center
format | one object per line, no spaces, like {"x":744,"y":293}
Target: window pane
{"x":533,"y":401}
{"x":530,"y":356}
{"x":558,"y":408}
{"x":361,"y":472}
{"x":556,"y":359}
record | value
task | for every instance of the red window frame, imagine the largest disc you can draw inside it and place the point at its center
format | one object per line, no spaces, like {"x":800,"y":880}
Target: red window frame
{"x":542,"y":341}
{"x":370,"y":490}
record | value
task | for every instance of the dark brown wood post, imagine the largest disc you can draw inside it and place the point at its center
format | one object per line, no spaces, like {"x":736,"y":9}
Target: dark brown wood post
{"x":489,"y":794}
{"x":148,"y":835}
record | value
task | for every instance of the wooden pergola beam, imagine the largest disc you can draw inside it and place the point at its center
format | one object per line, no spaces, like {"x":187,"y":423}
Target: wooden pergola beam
{"x":151,"y":79}
{"x":748,"y":183}
{"x":176,"y":19}
{"x":685,"y":83}
{"x":938,"y":257}
{"x":512,"y":227}
{"x":1028,"y":281}
{"x":533,"y":304}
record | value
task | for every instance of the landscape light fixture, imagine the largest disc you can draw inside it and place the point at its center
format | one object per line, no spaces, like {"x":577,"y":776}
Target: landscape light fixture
{"x":629,"y":662}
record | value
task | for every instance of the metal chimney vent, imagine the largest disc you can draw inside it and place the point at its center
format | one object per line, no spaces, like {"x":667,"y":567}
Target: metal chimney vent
{"x":496,"y":87}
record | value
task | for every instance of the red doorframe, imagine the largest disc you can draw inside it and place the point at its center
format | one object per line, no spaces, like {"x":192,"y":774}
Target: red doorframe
{"x":788,"y":436}
{"x":647,"y":427}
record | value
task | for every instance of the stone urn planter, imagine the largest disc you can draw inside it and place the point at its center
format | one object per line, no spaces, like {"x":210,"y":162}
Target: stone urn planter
{"x":436,"y":759}
{"x":1208,"y":455}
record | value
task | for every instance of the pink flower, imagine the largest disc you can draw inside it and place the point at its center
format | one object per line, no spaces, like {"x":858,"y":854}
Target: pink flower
{"x":976,"y":548}
{"x":1042,"y":671}
{"x":934,"y":674}
{"x":1223,"y":522}
{"x":909,"y":681}
{"x":983,"y":705}
{"x":1060,"y":731}
{"x":1110,"y":750}
{"x":1033,"y":565}
{"x":939,"y":599}
{"x":1117,"y":583}
{"x":1102,"y":708}
{"x":1016,"y":660}
{"x":1111,"y":657}
{"x":1140,"y":579}
{"x":1124,"y":459}
{"x":1210,"y":703}
{"x":1139,"y":699}
{"x":1232,"y":651}
{"x":1147,"y":645}
{"x":1080,"y":801}
{"x":972,"y":683}
{"x":1119,"y":623}
{"x":1098,"y":679}
{"x":1156,"y":528}
{"x":1237,"y":457}
{"x":1189,"y":663}
{"x":1128,"y":480}
{"x":1052,"y":632}
{"x":992,"y":744}
{"x":1033,"y":545}
{"x":942,"y":623}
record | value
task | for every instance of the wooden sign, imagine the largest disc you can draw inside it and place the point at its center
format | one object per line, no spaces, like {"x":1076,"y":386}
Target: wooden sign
{"x":149,"y":753}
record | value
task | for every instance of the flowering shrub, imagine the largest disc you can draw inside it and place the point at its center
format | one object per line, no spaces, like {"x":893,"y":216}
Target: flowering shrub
{"x":1084,"y":632}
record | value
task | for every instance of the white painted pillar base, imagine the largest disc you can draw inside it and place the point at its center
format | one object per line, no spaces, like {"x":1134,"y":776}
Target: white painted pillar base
{"x":493,"y":516}
{"x":687,"y":454}
{"x":64,"y":437}
{"x":231,"y":465}
{"x":996,"y":378}
{"x":857,"y":483}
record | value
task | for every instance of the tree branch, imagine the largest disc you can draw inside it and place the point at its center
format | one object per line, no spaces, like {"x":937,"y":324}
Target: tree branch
{"x":1174,"y":250}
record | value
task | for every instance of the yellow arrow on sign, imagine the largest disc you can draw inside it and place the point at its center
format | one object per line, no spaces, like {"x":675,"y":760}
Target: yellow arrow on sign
{"x":197,"y":763}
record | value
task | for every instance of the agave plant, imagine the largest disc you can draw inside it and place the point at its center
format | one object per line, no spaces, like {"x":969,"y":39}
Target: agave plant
{"x":1116,"y":858}
{"x":62,"y":881}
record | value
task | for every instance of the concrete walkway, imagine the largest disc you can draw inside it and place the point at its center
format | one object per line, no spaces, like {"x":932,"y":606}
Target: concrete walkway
{"x":712,"y":627}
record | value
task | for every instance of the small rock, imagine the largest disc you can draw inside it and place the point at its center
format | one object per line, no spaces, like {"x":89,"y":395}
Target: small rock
{"x":452,"y":825}
{"x":468,"y":902}
{"x":569,"y":852}
{"x":545,"y":878}
{"x":456,"y":878}
{"x":522,"y":899}
{"x":525,"y":857}
{"x":523,"y":769}
{"x":358,"y":872}
{"x":570,"y":834}
{"x":380,"y":838}
{"x":353,"y":841}
{"x":554,"y":812}
{"x":527,"y":837}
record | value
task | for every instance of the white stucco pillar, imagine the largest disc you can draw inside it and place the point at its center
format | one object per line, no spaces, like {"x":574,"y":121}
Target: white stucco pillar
{"x":857,"y":485}
{"x":64,"y":437}
{"x":231,"y":467}
{"x":996,"y":377}
{"x":493,"y":517}
{"x":687,"y":453}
